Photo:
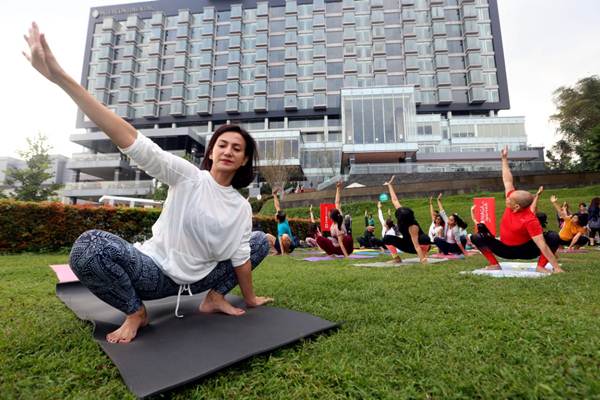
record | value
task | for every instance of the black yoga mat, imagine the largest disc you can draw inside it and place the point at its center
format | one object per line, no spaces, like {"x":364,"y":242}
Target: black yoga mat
{"x":174,"y":351}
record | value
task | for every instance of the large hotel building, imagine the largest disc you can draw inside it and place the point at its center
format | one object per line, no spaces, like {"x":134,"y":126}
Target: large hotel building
{"x":327,"y":88}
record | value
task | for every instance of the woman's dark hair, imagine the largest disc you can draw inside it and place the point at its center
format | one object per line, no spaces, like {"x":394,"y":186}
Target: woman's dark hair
{"x":437,"y":215}
{"x":595,"y":203}
{"x":389,"y":223}
{"x":280,"y":216}
{"x":459,"y":221}
{"x":543,"y":218}
{"x":313,"y":228}
{"x":245,"y":174}
{"x":405,"y":217}
{"x":582,"y":204}
{"x":337,"y":217}
{"x":582,"y":219}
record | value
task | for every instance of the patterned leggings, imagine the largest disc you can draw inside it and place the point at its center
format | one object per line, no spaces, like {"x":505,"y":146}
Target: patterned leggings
{"x":122,"y":276}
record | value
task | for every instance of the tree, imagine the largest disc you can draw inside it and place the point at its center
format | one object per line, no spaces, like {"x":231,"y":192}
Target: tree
{"x":578,"y":113}
{"x":32,"y":183}
{"x":276,"y":171}
{"x":590,"y":150}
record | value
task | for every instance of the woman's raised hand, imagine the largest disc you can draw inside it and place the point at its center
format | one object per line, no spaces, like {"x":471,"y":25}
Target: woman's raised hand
{"x":40,"y":56}
{"x":439,"y":196}
{"x":390,"y":181}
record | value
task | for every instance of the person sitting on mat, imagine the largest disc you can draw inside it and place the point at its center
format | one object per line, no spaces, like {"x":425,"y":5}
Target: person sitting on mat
{"x":437,"y":227}
{"x":340,"y":242}
{"x":452,"y":242}
{"x":572,"y":234}
{"x":594,"y":219}
{"x":521,"y":235}
{"x":368,"y":239}
{"x":412,"y":238}
{"x":285,"y":242}
{"x":202,"y":239}
{"x":369,"y":221}
{"x":387,"y":228}
{"x":313,"y":230}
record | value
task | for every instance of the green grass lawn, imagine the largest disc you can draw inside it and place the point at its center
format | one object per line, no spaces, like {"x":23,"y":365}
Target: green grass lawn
{"x":409,"y":332}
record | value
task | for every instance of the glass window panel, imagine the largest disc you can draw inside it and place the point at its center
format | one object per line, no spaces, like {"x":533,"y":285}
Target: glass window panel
{"x":398,"y":118}
{"x":388,"y":118}
{"x":357,"y":120}
{"x":367,"y":109}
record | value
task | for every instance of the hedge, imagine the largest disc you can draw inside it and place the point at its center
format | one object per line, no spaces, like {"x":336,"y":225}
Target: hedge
{"x":38,"y":227}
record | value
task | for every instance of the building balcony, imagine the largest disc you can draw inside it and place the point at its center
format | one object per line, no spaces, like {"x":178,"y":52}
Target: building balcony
{"x":112,"y":188}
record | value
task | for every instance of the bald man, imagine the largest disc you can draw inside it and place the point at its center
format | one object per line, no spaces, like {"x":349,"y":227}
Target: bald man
{"x":521,"y":235}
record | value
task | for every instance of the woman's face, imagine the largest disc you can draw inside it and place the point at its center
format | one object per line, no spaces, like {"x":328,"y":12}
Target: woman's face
{"x":438,"y":220}
{"x":575,"y":219}
{"x":451,"y":220}
{"x":228,"y":154}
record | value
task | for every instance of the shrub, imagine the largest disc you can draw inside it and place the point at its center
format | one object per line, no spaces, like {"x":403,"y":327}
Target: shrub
{"x":38,"y":227}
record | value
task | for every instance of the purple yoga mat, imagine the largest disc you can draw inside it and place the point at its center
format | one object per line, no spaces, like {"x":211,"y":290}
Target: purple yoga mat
{"x":329,"y":258}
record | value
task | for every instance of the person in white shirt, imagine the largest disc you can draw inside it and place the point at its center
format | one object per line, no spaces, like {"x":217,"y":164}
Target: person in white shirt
{"x":437,"y":227}
{"x":203,"y":239}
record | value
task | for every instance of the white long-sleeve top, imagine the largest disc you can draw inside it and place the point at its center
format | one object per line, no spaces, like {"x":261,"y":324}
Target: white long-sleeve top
{"x":201,"y":223}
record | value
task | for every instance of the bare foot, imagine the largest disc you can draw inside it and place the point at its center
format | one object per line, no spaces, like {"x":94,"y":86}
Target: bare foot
{"x":128,"y":330}
{"x":558,"y":270}
{"x":542,"y":270}
{"x":493,"y":267}
{"x":395,"y":260}
{"x":215,"y":302}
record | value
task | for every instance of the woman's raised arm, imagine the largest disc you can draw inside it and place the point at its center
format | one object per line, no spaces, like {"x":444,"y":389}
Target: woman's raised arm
{"x":41,"y":58}
{"x":393,"y":196}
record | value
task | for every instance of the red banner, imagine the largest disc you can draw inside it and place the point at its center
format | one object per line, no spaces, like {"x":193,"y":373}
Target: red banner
{"x":485,"y":212}
{"x":325,"y":220}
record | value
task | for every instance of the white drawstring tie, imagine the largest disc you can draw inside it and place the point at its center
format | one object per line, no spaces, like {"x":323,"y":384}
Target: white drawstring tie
{"x":182,"y":288}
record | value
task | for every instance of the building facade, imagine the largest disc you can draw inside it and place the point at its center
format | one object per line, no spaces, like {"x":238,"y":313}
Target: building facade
{"x":326,"y":87}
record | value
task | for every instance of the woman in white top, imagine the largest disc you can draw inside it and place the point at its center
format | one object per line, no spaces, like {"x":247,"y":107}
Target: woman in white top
{"x":340,"y":242}
{"x":437,"y":227}
{"x":203,"y":239}
{"x":452,"y":241}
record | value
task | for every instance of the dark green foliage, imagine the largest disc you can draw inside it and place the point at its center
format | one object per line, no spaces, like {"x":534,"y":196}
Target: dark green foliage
{"x":578,"y":114}
{"x":29,"y":226}
{"x":29,"y":182}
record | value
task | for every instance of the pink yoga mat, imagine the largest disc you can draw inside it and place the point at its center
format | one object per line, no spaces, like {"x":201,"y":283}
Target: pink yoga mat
{"x":63,"y":273}
{"x":573,"y":251}
{"x":328,"y":258}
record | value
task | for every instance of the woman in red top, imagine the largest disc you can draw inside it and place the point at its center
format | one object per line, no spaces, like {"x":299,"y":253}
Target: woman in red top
{"x":521,"y":235}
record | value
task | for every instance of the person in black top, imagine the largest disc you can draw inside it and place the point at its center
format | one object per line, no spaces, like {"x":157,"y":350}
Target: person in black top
{"x":412,"y":238}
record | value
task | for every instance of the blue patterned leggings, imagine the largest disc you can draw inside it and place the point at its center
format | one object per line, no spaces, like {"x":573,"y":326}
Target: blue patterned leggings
{"x":122,"y":276}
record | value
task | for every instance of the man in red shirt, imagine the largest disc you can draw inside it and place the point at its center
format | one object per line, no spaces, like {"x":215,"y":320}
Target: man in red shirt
{"x":521,"y":235}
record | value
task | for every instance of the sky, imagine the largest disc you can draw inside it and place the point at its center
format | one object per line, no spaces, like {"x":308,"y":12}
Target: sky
{"x":547,"y":44}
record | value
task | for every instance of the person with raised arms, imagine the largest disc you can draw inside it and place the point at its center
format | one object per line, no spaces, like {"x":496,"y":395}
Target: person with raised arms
{"x":340,"y":242}
{"x":521,"y":235}
{"x":573,"y":232}
{"x":451,"y":241}
{"x":285,"y":242}
{"x":203,"y":239}
{"x":411,"y":237}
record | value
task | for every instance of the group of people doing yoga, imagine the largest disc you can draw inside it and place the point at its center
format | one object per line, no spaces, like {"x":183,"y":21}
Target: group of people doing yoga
{"x":203,"y":239}
{"x":521,"y":232}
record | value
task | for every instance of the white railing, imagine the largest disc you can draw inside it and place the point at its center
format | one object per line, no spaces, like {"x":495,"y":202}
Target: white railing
{"x":108,"y":185}
{"x":416,"y":168}
{"x":96,"y":157}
